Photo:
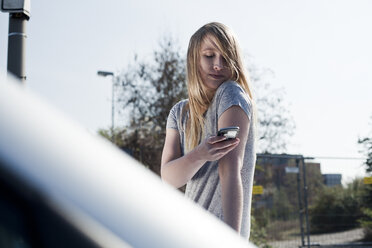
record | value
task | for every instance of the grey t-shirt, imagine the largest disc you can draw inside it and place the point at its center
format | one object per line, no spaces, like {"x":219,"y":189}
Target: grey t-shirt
{"x":204,"y":188}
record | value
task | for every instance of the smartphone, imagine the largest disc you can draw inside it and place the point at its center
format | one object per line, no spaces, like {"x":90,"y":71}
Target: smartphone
{"x":228,"y":132}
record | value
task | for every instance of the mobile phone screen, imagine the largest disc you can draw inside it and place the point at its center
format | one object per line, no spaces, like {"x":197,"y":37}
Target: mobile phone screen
{"x":229,"y":132}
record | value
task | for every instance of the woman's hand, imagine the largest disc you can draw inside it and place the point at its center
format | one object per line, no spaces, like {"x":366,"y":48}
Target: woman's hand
{"x":215,"y":147}
{"x":177,"y":170}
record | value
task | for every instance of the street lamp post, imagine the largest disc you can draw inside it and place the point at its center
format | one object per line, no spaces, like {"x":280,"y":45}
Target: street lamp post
{"x":19,"y":14}
{"x":105,"y":74}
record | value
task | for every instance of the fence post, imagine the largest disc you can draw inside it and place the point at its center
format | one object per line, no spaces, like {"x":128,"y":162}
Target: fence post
{"x":300,"y":202}
{"x":305,"y":201}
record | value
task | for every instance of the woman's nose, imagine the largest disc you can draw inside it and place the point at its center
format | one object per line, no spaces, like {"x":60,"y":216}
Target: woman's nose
{"x":218,"y":64}
{"x":217,"y":67}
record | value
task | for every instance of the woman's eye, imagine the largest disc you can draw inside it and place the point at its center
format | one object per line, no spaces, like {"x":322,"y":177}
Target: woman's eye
{"x":209,"y":55}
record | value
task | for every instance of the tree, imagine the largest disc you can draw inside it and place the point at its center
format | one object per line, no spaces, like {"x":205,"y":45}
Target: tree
{"x":151,"y":89}
{"x":367,"y":150}
{"x":146,"y":93}
{"x":276,"y":124}
{"x":366,"y":220}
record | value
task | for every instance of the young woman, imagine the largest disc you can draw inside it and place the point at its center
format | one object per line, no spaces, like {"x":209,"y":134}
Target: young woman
{"x":218,"y":171}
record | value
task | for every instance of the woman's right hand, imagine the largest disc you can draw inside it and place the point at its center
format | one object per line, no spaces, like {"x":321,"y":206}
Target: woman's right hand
{"x":215,"y":147}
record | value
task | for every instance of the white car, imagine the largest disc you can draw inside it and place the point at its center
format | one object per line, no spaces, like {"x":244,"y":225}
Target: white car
{"x":61,"y":186}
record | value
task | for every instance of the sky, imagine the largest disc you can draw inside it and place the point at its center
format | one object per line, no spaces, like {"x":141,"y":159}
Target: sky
{"x":319,"y":51}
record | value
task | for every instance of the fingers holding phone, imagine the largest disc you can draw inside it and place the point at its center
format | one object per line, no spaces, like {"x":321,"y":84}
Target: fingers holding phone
{"x":215,"y":147}
{"x":229,"y":138}
{"x":229,"y":132}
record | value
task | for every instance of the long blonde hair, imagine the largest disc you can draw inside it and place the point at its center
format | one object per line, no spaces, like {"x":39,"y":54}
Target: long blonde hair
{"x":199,"y":97}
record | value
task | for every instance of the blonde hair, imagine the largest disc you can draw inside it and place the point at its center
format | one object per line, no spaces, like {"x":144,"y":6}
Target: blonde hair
{"x":199,"y":97}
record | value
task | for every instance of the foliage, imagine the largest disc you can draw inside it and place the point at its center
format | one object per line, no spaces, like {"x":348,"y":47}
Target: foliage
{"x":366,"y":223}
{"x":136,"y":141}
{"x":314,"y":181}
{"x":276,"y":124}
{"x":283,"y":208}
{"x":258,"y":234}
{"x":366,"y":196}
{"x":367,"y":143}
{"x":366,"y":220}
{"x":148,"y":90}
{"x":336,"y":208}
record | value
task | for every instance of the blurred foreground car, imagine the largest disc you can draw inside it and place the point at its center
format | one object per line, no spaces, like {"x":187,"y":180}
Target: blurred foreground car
{"x":61,"y":186}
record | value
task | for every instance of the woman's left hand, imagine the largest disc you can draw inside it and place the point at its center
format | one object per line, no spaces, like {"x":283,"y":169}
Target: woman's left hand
{"x":215,"y":147}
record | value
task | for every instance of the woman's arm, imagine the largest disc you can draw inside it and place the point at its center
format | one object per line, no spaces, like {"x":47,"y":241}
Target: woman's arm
{"x":177,"y":170}
{"x":230,"y":166}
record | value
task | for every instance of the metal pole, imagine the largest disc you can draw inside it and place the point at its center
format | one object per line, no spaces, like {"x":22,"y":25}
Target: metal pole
{"x":305,"y":201}
{"x":17,"y":45}
{"x":105,"y":74}
{"x":113,"y":110}
{"x":300,"y":211}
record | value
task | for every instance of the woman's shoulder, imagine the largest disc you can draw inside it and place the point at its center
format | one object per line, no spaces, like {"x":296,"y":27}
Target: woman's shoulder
{"x":231,"y":93}
{"x":231,"y":89}
{"x":175,"y":114}
{"x":179,"y":105}
{"x":231,"y":86}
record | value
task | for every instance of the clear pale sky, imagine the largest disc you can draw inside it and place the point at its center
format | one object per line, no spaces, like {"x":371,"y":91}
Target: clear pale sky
{"x":320,"y":52}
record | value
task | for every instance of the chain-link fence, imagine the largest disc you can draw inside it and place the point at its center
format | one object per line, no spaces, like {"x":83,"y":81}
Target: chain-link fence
{"x":294,"y":205}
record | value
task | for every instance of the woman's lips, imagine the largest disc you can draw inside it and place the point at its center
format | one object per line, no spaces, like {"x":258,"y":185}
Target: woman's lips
{"x":216,"y":76}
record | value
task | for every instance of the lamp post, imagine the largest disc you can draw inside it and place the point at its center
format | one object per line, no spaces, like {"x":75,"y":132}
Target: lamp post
{"x":19,"y":14}
{"x":105,"y":74}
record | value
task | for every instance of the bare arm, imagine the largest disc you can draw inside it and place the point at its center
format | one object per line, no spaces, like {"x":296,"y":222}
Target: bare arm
{"x":230,"y":166}
{"x":177,"y":170}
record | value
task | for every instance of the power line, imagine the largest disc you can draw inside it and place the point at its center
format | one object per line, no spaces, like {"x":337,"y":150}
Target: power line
{"x":299,"y":156}
{"x":341,"y":158}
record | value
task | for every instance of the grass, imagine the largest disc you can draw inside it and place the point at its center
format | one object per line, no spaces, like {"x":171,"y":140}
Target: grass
{"x":283,"y":230}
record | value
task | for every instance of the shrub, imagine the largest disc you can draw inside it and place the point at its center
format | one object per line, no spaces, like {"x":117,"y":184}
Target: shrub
{"x":336,"y":209}
{"x":258,"y":234}
{"x":366,"y":223}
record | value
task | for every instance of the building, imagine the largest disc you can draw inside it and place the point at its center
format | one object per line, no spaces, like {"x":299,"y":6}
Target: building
{"x":332,"y":179}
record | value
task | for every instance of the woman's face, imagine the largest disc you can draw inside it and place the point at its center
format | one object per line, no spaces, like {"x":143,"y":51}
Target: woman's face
{"x":213,"y":67}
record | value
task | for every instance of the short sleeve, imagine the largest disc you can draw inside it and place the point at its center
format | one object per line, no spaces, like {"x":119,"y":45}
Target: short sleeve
{"x":232,"y":94}
{"x":172,"y":118}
